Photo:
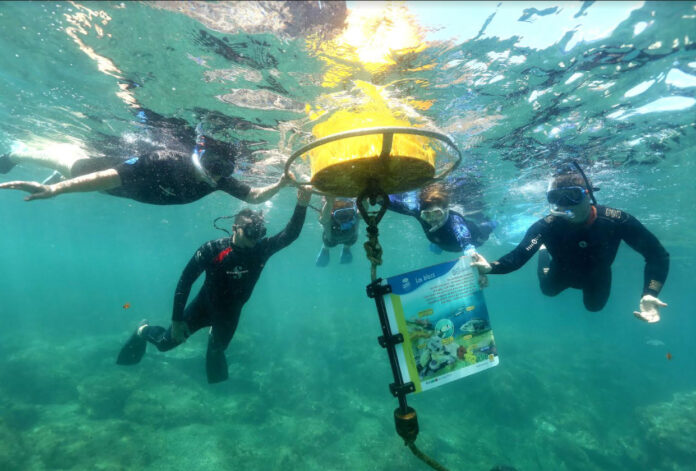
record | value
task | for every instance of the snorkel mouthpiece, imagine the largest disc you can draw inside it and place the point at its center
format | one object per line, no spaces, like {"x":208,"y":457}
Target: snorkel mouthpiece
{"x":253,"y":226}
{"x":567,"y":214}
{"x":254,"y":230}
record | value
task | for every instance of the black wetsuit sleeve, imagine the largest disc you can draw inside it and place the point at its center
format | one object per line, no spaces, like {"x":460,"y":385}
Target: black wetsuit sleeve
{"x":514,"y":259}
{"x":234,"y":187}
{"x":656,"y":257}
{"x":193,"y":270}
{"x":291,"y":231}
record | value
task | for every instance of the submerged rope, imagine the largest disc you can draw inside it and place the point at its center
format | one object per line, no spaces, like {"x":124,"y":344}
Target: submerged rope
{"x":425,"y":458}
{"x":373,"y":250}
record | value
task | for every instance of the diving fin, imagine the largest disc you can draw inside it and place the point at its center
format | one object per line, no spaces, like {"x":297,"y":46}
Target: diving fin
{"x":346,"y":255}
{"x":134,"y":349}
{"x":323,"y":257}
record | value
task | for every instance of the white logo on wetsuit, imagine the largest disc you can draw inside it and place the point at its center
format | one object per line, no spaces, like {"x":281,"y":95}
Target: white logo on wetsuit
{"x":533,"y":242}
{"x":582,"y":244}
{"x":238,"y":272}
{"x":612,"y":213}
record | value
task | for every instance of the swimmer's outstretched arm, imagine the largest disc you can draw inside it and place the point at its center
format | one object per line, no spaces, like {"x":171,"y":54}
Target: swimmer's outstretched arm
{"x":325,"y":215}
{"x":97,"y":181}
{"x":264,"y":193}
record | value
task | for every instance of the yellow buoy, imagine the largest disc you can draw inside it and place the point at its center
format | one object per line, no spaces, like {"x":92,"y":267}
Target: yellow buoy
{"x":394,"y":159}
{"x":371,"y":141}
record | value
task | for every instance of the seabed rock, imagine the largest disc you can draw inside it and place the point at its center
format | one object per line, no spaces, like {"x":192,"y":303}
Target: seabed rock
{"x":671,"y":430}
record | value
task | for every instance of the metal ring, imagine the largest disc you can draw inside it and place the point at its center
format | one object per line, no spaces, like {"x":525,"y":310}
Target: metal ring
{"x":387,"y":130}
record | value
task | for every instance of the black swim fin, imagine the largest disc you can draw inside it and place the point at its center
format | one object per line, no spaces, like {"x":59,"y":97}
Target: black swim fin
{"x":216,"y":365}
{"x":134,"y":349}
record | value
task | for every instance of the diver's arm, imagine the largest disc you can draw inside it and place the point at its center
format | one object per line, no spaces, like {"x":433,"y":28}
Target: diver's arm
{"x":98,"y":181}
{"x":193,"y":270}
{"x":398,"y":204}
{"x":518,"y":256}
{"x":461,"y":231}
{"x":325,"y":214}
{"x":264,"y":193}
{"x":294,"y":226}
{"x":656,"y":257}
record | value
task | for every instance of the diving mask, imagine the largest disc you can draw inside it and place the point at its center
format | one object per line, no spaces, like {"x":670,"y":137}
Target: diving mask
{"x":433,"y":214}
{"x":254,"y":227}
{"x":566,"y":196}
{"x":345,"y":217}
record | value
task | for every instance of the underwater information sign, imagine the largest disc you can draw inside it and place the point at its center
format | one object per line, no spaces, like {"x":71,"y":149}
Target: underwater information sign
{"x":442,"y":315}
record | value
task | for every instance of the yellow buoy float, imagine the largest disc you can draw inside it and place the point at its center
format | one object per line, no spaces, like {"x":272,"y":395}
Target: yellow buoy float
{"x":369,"y":144}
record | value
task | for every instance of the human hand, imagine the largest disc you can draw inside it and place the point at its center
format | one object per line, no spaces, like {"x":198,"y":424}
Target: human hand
{"x":304,"y":195}
{"x":649,"y":309}
{"x":286,"y":179}
{"x":180,"y":331}
{"x":481,"y":263}
{"x":483,"y":268}
{"x":37,"y":190}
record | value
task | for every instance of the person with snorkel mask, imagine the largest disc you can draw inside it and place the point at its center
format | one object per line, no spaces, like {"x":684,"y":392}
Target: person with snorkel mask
{"x":577,"y":244}
{"x":339,"y":219}
{"x":444,"y":227}
{"x":232,"y":266}
{"x":178,"y":174}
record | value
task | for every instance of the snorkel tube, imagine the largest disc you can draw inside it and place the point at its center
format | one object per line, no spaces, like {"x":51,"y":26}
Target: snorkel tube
{"x":198,"y":152}
{"x":590,"y":189}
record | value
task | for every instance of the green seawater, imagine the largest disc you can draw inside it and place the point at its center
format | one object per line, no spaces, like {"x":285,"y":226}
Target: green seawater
{"x":611,"y":84}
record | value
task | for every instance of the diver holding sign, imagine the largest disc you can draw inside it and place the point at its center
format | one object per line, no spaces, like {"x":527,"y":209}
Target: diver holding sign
{"x":577,"y":244}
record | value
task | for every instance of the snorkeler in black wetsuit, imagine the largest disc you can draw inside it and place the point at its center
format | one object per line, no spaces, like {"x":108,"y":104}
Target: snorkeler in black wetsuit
{"x":165,"y":177}
{"x":577,"y":245}
{"x":160,"y":176}
{"x":232,"y":267}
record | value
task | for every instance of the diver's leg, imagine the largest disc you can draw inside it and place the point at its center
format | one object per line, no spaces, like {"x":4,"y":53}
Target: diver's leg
{"x":550,"y":280}
{"x":220,"y":336}
{"x":196,"y":317}
{"x":55,"y":177}
{"x":53,"y":155}
{"x":595,"y":292}
{"x":346,"y":255}
{"x":95,"y":164}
